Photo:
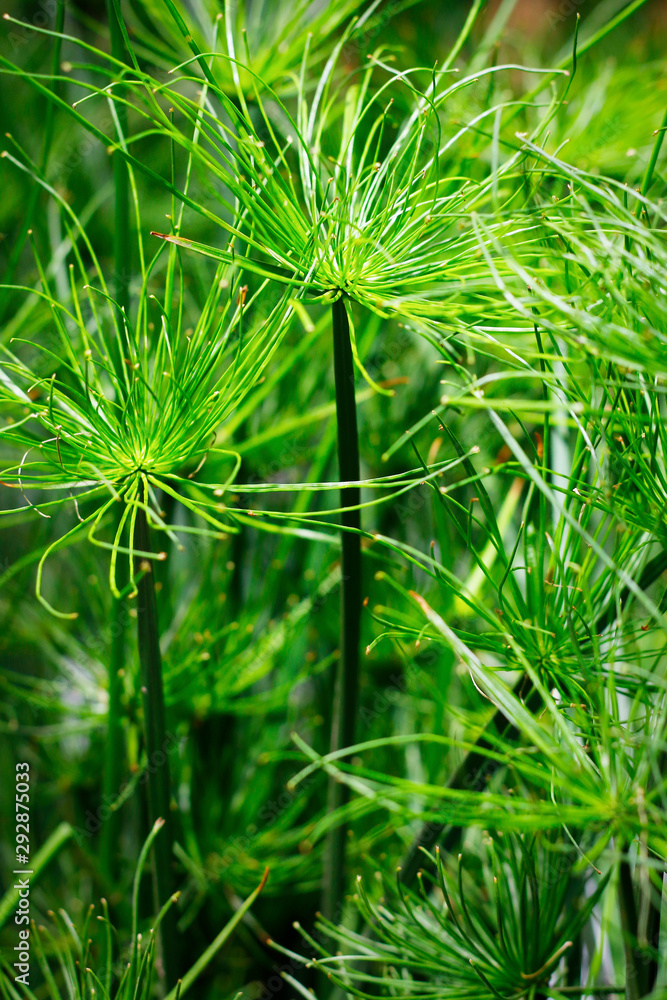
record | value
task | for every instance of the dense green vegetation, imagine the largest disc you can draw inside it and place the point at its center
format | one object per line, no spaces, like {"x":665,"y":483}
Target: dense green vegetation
{"x":334,"y":500}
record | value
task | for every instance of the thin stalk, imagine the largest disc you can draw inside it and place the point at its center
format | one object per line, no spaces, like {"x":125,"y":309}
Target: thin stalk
{"x":115,"y":747}
{"x":122,"y":246}
{"x":115,"y":744}
{"x":655,"y":153}
{"x":475,"y":767}
{"x":655,"y":905}
{"x":635,"y":986}
{"x":29,"y":213}
{"x":347,"y":674}
{"x":653,"y":937}
{"x":650,"y":913}
{"x":158,"y":783}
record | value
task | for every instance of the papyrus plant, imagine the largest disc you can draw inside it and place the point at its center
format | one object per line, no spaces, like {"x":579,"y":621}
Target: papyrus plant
{"x":358,"y":191}
{"x":120,"y":413}
{"x":557,"y":632}
{"x":499,"y":922}
{"x":560,"y":629}
{"x":338,"y":206}
{"x":86,"y":961}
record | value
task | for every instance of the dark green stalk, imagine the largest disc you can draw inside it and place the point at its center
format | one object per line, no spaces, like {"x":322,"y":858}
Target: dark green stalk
{"x":574,"y":961}
{"x":471,"y":775}
{"x":122,"y":246}
{"x":655,"y":905}
{"x":347,"y":674}
{"x":594,"y":991}
{"x":653,"y":936}
{"x":158,"y":784}
{"x":649,"y":915}
{"x":635,"y":986}
{"x":655,"y":153}
{"x":115,"y":746}
{"x":475,"y":767}
{"x":29,"y":213}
